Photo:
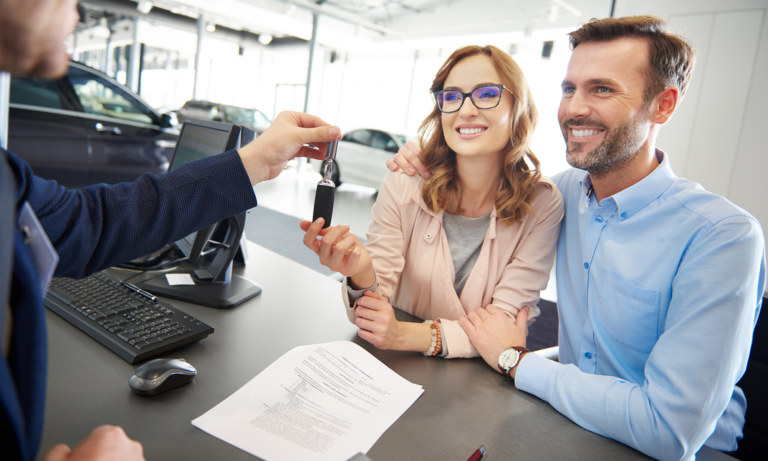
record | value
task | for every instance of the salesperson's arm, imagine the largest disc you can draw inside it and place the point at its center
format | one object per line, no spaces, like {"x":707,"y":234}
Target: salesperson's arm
{"x":101,"y":225}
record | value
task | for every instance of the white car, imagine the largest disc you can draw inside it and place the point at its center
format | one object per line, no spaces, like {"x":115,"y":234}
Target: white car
{"x":362,"y":157}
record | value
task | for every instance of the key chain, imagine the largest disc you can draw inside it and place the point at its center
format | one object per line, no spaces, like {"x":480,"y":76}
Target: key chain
{"x":326,"y":189}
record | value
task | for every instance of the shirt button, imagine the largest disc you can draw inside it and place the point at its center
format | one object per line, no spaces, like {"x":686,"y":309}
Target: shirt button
{"x":624,"y":215}
{"x":588,"y":355}
{"x":599,"y":219}
{"x":586,"y":265}
{"x":429,"y":235}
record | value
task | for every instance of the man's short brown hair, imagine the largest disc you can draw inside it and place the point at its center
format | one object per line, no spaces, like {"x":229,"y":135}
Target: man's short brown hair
{"x":672,"y":57}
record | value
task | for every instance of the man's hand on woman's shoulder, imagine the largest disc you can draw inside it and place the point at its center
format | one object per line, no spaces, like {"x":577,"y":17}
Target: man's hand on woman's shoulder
{"x":408,"y":158}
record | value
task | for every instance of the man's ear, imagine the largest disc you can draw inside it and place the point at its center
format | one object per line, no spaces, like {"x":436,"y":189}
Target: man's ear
{"x":665,"y":104}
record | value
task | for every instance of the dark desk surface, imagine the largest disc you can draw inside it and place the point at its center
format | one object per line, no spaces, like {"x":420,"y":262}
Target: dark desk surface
{"x":465,"y":403}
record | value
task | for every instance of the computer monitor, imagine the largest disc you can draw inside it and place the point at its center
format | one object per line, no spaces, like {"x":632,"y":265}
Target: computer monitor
{"x":200,"y":139}
{"x":210,"y":267}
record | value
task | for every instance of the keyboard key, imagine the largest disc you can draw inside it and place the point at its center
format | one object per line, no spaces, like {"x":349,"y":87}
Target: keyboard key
{"x":151,"y":340}
{"x":126,"y":336}
{"x":105,"y":311}
{"x":121,"y":309}
{"x":61,"y":295}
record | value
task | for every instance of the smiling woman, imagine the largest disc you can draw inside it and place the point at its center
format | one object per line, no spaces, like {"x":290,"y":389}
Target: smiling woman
{"x":480,"y":232}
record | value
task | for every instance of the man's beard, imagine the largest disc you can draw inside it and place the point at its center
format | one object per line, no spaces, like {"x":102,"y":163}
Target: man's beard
{"x":620,"y":146}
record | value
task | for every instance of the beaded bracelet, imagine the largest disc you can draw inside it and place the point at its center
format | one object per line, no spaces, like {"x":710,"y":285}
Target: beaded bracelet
{"x":436,"y":344}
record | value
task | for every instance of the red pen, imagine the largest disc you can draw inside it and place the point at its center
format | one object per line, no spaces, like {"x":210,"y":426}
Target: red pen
{"x":478,"y":454}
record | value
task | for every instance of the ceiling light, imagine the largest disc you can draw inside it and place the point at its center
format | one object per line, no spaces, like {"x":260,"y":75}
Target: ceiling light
{"x":265,"y":39}
{"x":101,"y":31}
{"x":144,"y":6}
{"x":211,"y":27}
{"x":552,"y":12}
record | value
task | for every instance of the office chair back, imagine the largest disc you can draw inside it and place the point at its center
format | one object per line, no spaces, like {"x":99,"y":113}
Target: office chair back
{"x":754,"y":445}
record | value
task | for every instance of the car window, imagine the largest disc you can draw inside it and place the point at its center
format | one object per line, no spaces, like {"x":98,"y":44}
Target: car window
{"x":35,"y":92}
{"x":260,"y":119}
{"x":57,"y":94}
{"x":360,"y":137}
{"x":383,"y":141}
{"x":101,"y":97}
{"x":238,"y":115}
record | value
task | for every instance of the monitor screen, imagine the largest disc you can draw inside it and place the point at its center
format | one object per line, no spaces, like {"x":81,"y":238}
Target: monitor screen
{"x":200,"y":139}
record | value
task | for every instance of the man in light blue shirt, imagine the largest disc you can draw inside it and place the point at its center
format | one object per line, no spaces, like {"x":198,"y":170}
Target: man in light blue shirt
{"x":659,"y":282}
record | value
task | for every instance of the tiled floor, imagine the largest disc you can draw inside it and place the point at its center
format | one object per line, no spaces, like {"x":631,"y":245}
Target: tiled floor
{"x":293,"y":194}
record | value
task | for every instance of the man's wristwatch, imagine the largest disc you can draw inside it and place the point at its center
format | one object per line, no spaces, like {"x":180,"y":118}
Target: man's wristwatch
{"x":510,"y":357}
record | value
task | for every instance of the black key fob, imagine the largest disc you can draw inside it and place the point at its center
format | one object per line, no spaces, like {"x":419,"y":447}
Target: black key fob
{"x":326,"y":189}
{"x":324,"y":202}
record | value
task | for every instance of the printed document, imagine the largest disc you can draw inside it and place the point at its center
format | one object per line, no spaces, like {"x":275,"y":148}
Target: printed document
{"x":315,"y":403}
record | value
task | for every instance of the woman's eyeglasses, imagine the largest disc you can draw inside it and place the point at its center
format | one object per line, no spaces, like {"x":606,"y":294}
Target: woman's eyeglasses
{"x":483,"y":97}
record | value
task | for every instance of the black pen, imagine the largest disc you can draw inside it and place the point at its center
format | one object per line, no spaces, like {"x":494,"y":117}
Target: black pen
{"x":478,"y":454}
{"x":140,"y":291}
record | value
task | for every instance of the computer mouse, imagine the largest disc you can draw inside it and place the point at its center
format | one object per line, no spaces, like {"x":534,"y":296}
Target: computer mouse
{"x":160,"y":375}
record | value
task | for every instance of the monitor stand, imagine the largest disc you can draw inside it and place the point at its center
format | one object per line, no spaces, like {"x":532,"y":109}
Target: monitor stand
{"x":215,"y":286}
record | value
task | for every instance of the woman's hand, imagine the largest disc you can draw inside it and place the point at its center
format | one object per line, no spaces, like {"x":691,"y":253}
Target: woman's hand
{"x":378,"y":325}
{"x":377,"y":322}
{"x":339,"y":250}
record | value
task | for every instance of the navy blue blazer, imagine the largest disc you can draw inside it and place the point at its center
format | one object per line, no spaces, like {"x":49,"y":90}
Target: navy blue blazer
{"x":92,"y":229}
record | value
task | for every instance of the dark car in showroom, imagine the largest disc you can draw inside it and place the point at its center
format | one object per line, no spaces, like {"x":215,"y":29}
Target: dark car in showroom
{"x":215,"y":112}
{"x":86,"y":128}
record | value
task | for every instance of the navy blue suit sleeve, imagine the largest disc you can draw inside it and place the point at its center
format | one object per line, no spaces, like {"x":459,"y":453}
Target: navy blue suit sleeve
{"x":102,"y":225}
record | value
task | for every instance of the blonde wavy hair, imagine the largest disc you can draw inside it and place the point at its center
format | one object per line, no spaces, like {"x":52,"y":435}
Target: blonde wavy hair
{"x":519,"y":178}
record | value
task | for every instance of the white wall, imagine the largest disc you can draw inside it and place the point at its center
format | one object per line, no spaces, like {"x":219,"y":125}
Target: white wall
{"x":718,"y":135}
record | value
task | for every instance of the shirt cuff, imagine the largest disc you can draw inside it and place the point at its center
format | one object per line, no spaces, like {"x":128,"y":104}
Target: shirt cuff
{"x":532,"y":374}
{"x":354,"y":295}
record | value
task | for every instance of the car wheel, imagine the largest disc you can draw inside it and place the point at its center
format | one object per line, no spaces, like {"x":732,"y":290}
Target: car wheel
{"x":335,"y":174}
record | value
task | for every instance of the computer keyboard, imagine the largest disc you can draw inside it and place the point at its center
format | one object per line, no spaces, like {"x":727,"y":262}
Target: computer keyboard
{"x":128,"y":321}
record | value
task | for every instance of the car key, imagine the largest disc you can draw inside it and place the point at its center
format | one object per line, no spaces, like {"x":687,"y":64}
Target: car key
{"x":326,"y":189}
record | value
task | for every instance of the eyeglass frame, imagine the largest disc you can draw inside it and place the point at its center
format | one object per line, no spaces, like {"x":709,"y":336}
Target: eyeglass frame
{"x":465,"y":95}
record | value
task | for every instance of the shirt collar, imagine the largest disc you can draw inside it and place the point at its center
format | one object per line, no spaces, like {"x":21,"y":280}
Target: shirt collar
{"x":639,"y":195}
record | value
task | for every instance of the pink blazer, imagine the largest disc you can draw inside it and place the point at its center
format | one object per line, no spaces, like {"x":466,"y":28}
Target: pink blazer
{"x":415,"y":270}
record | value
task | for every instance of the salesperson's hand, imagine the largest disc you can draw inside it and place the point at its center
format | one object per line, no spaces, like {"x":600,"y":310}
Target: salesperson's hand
{"x":408,"y":158}
{"x":284,"y":140}
{"x":491,"y":331}
{"x":106,"y":443}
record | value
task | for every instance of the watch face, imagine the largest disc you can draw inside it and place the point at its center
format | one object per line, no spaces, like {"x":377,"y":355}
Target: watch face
{"x":508,"y":358}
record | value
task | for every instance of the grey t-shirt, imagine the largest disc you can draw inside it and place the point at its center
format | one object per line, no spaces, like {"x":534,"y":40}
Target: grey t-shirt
{"x":465,"y":239}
